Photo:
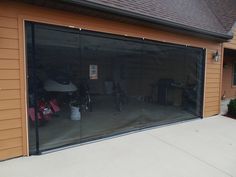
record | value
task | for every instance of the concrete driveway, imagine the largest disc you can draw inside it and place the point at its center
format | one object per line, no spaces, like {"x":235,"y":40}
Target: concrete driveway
{"x":198,"y":148}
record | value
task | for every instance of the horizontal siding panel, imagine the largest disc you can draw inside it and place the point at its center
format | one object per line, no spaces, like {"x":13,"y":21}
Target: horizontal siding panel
{"x":9,"y":84}
{"x":9,"y":74}
{"x":212,"y":90}
{"x":10,"y":153}
{"x":212,"y":50}
{"x":212,"y":94}
{"x":9,"y":43}
{"x":10,"y":143}
{"x":212,"y":85}
{"x":230,"y":46}
{"x":10,"y":114}
{"x":11,"y":133}
{"x":6,"y":13}
{"x":210,"y":80}
{"x":8,"y":22}
{"x":214,"y":104}
{"x":9,"y":94}
{"x":8,"y":33}
{"x":213,"y":76}
{"x":9,"y":104}
{"x":212,"y":108}
{"x":9,"y":64}
{"x":9,"y":54}
{"x":210,"y":113}
{"x":10,"y":124}
{"x":213,"y":70}
{"x":212,"y":99}
{"x":213,"y":66}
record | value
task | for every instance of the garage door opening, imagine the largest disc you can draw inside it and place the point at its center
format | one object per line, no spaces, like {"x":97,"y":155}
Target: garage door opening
{"x":85,"y":85}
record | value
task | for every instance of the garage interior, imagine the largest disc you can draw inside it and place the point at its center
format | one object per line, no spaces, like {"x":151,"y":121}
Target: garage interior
{"x":85,"y":85}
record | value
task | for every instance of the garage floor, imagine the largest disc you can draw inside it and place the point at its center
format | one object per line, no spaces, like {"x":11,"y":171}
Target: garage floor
{"x":198,"y":148}
{"x":105,"y":120}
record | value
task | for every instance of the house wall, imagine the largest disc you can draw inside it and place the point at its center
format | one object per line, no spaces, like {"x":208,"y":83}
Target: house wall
{"x":228,"y":89}
{"x":13,"y":117}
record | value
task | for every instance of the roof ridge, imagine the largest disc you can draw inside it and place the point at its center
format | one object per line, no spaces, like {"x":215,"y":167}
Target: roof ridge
{"x":223,"y":26}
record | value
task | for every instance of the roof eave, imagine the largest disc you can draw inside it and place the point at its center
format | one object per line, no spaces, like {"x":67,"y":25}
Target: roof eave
{"x":231,"y":32}
{"x":215,"y":35}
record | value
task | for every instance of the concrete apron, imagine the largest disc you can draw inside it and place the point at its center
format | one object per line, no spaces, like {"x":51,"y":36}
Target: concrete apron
{"x":201,"y":148}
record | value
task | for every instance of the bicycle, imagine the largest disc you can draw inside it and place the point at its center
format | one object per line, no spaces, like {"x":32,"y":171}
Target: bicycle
{"x":120,"y":97}
{"x":85,"y":97}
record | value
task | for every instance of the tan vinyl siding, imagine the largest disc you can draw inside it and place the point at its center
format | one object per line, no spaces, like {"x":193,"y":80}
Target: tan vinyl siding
{"x":10,"y":134}
{"x":11,"y":152}
{"x":10,"y":123}
{"x":9,"y":64}
{"x":13,"y":138}
{"x":8,"y":33}
{"x":9,"y":104}
{"x":10,"y":112}
{"x":228,"y":87}
{"x":9,"y":43}
{"x":9,"y":54}
{"x":8,"y":22}
{"x":213,"y":83}
{"x":9,"y":94}
{"x":9,"y":74}
{"x":211,"y":99}
{"x":9,"y":84}
{"x":10,"y":143}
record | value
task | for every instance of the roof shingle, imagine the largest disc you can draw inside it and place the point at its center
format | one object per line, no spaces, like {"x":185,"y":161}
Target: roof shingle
{"x":210,"y":15}
{"x":213,"y":18}
{"x":225,"y":11}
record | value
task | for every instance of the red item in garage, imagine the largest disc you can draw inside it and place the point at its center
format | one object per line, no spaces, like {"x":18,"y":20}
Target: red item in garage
{"x":31,"y":113}
{"x":54,"y":105}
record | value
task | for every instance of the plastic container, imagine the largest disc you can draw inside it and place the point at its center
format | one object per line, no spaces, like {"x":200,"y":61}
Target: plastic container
{"x":75,"y":113}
